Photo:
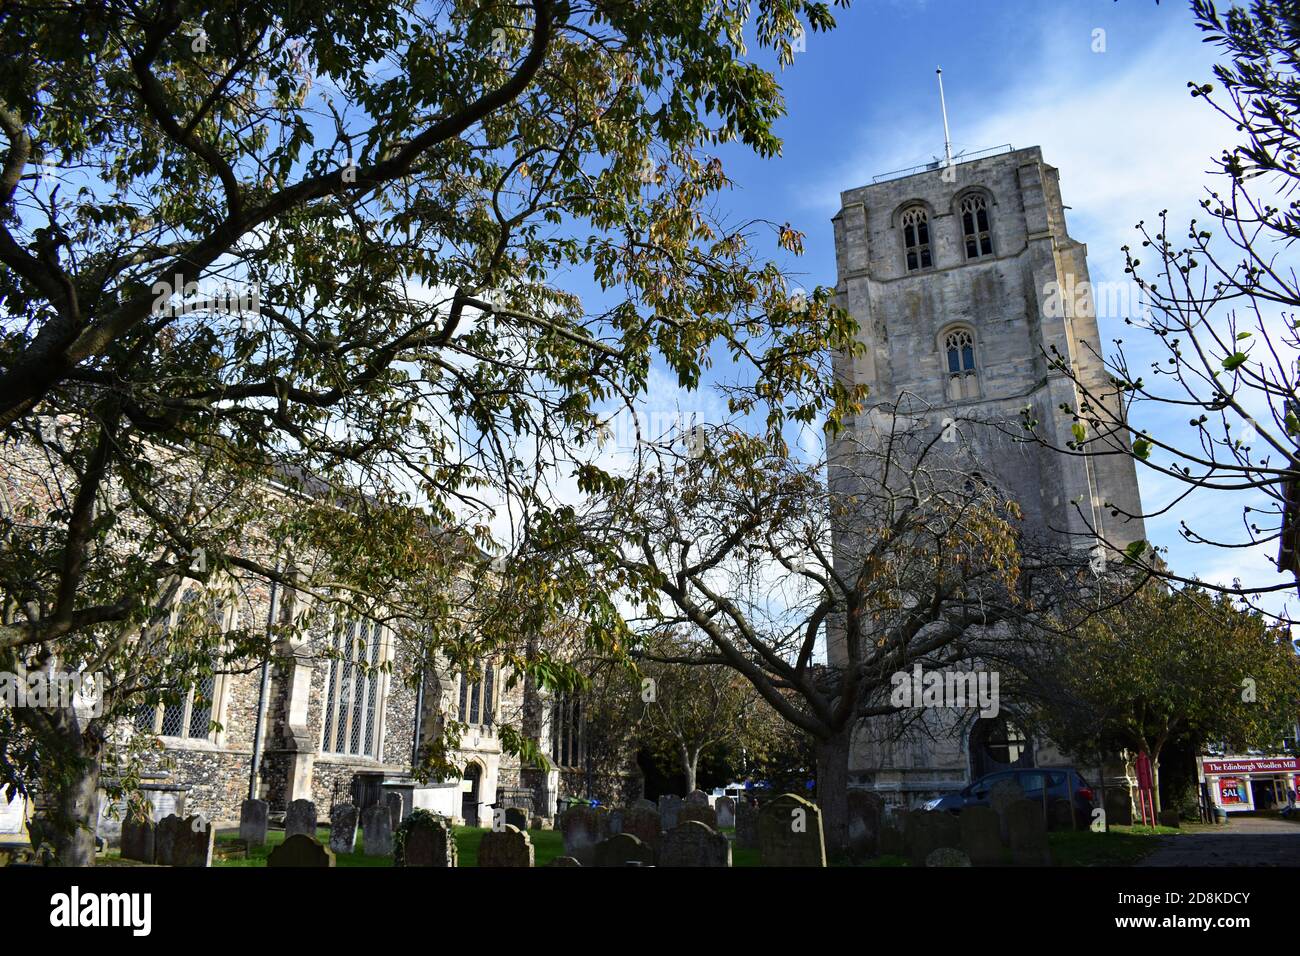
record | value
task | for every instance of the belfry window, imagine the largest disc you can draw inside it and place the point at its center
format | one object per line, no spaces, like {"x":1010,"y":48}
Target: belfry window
{"x":959,"y":354}
{"x":975,"y":226}
{"x":916,"y":239}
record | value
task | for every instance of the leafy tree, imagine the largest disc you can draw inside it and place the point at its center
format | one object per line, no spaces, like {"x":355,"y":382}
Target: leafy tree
{"x":397,"y":192}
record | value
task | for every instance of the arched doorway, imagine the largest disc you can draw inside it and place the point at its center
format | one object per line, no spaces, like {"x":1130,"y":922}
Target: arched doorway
{"x":469,"y":791}
{"x":996,"y":743}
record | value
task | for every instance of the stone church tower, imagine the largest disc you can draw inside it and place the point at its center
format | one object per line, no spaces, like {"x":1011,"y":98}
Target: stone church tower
{"x":955,"y":274}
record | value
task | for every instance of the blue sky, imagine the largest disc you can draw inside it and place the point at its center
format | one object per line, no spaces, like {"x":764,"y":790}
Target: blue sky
{"x":1119,"y":124}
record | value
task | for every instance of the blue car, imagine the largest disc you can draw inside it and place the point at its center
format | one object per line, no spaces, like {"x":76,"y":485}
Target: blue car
{"x":1063,"y":783}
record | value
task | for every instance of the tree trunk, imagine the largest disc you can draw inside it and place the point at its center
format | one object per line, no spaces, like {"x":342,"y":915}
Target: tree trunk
{"x":71,"y":791}
{"x":833,"y":789}
{"x":689,"y":763}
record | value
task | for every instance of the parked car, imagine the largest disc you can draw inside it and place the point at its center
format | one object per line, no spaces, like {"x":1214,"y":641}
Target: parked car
{"x":1062,"y":783}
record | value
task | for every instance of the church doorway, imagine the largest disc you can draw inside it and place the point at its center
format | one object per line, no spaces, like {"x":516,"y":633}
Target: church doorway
{"x":469,"y":791}
{"x":996,"y":743}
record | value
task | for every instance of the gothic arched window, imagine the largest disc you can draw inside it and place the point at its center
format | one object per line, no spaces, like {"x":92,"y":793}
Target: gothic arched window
{"x":974,"y":211}
{"x":916,"y":238}
{"x":354,"y":690}
{"x":187,"y":713}
{"x":959,"y":358}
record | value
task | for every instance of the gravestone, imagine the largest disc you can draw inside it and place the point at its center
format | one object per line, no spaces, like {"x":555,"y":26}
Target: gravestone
{"x":947,"y":856}
{"x":1119,"y":808}
{"x":564,"y":861}
{"x":582,"y":831}
{"x":1028,"y":834}
{"x":693,"y":844}
{"x":508,"y":847}
{"x":669,"y":806}
{"x":623,"y":849}
{"x":252,"y":821}
{"x":932,"y":830}
{"x":981,"y":836}
{"x":725,"y":808}
{"x":790,"y":833}
{"x":517,"y":817}
{"x":1060,"y":815}
{"x":430,"y":842}
{"x":394,"y":803}
{"x":700,"y":813}
{"x":697,"y":797}
{"x":643,"y":823}
{"x":644,"y":804}
{"x":300,"y":850}
{"x":343,"y":829}
{"x":301,"y":818}
{"x":183,"y":841}
{"x":138,"y":840}
{"x":1169,"y":817}
{"x":377,"y":830}
{"x":865,"y":809}
{"x":1001,"y":796}
{"x":615,"y":821}
{"x":746,"y":824}
{"x":891,"y":841}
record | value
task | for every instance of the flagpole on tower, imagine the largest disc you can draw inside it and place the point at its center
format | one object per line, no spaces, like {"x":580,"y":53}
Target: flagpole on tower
{"x":943,"y":106}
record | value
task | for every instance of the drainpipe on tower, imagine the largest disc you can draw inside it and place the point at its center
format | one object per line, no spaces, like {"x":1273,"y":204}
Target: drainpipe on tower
{"x":263,"y":689}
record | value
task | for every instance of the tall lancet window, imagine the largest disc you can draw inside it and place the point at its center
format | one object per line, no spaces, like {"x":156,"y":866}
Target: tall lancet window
{"x":959,"y":353}
{"x":975,"y":226}
{"x":916,"y":238}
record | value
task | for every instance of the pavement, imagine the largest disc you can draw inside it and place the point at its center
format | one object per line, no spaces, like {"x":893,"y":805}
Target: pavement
{"x":1244,"y":841}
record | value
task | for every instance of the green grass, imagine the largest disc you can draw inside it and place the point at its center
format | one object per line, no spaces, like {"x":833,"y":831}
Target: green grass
{"x":1122,"y":846}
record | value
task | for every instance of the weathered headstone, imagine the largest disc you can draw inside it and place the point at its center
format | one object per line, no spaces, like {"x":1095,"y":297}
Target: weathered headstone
{"x":865,"y":809}
{"x":507,"y":847}
{"x":252,"y":821}
{"x":343,"y":828}
{"x":697,"y":797}
{"x":725,"y":808}
{"x":615,"y":821}
{"x":700,"y":813}
{"x":947,"y":856}
{"x":623,"y":849}
{"x":517,"y":817}
{"x":746,"y":824}
{"x":1119,"y":808}
{"x":564,"y":861}
{"x":183,"y":841}
{"x":932,"y":830}
{"x":643,"y":823}
{"x":394,"y":803}
{"x":669,"y":806}
{"x":377,"y":830}
{"x":1169,"y":817}
{"x":693,"y":844}
{"x":300,"y":850}
{"x":138,"y":840}
{"x":981,"y":836}
{"x":790,"y":833}
{"x":1028,"y":834}
{"x":582,"y":831}
{"x":644,"y":804}
{"x":430,"y":842}
{"x":1001,"y":796}
{"x":300,"y":818}
{"x":1060,"y":814}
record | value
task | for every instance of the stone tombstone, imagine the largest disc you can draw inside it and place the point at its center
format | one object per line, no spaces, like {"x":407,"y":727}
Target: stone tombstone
{"x":582,"y":828}
{"x":643,"y":823}
{"x":1060,"y":815}
{"x":615,"y":821}
{"x":252,"y":821}
{"x":644,"y":804}
{"x":746,"y":824}
{"x":1001,"y":796}
{"x":691,"y":843}
{"x":932,"y":830}
{"x":981,"y":836}
{"x":506,"y":847}
{"x":300,"y":850}
{"x":1028,"y":834}
{"x":517,"y":817}
{"x":1119,"y":808}
{"x":700,"y":813}
{"x":343,"y":828}
{"x":669,"y":806}
{"x":394,"y":803}
{"x":377,"y":830}
{"x":623,"y":849}
{"x":301,"y":818}
{"x":430,"y":842}
{"x":725,"y":808}
{"x":184,"y":841}
{"x":790,"y":833}
{"x":564,"y":861}
{"x":697,"y":797}
{"x":865,"y":809}
{"x":138,"y":840}
{"x":947,"y":856}
{"x":1169,"y":817}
